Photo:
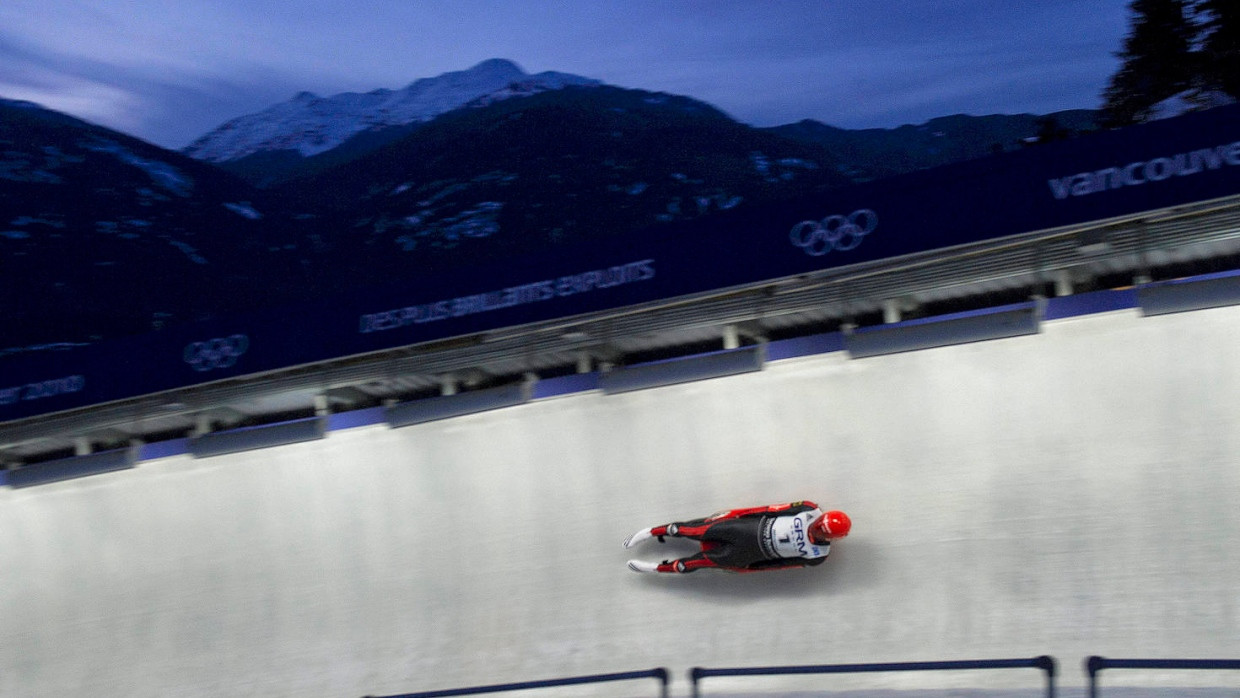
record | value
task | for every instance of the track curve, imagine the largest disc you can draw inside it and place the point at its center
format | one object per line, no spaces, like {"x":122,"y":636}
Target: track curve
{"x":1067,"y":493}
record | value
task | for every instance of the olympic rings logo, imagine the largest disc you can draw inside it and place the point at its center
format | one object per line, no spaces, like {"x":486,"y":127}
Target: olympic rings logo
{"x":841,"y":233}
{"x":221,"y":352}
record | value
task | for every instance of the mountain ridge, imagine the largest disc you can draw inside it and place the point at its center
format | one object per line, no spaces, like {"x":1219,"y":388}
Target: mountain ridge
{"x":102,"y":233}
{"x":882,"y":152}
{"x":309,"y":124}
{"x":294,"y":147}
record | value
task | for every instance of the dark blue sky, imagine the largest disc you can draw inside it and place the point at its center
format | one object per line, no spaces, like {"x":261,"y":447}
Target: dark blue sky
{"x":169,"y":71}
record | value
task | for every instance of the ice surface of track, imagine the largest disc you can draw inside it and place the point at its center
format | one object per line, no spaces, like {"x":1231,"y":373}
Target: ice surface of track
{"x":1069,"y":493}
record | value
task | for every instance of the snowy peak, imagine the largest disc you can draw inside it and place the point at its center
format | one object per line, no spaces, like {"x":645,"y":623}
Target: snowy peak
{"x":487,"y":72}
{"x":310,"y":124}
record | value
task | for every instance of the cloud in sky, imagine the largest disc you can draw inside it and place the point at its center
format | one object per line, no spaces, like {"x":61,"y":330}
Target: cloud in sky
{"x":169,"y":72}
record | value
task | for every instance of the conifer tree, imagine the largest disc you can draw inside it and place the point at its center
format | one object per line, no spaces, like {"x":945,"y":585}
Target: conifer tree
{"x":1220,"y":44}
{"x":1158,"y":60}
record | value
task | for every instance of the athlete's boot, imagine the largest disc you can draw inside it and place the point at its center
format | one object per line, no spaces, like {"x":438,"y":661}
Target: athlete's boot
{"x":636,"y":538}
{"x":643,"y":566}
{"x":646,"y":534}
{"x":682,"y":566}
{"x":686,"y":565}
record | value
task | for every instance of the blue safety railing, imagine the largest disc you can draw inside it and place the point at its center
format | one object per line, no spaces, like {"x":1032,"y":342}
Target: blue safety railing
{"x":660,"y":674}
{"x":1095,"y":664}
{"x":1044,"y":663}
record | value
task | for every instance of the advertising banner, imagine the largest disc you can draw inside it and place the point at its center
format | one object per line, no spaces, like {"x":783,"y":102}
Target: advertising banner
{"x":1191,"y":158}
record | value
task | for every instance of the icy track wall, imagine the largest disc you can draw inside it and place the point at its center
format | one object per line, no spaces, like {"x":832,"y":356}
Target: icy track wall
{"x":1067,"y":493}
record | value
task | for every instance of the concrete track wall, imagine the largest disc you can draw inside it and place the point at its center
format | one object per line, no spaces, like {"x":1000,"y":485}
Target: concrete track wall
{"x":1069,"y":493}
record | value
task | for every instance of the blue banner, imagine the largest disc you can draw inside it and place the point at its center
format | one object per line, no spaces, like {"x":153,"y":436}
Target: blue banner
{"x":1191,"y":158}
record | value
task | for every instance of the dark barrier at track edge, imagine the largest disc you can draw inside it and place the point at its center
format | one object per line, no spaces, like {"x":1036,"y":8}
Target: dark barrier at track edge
{"x":1045,"y":663}
{"x":661,"y":674}
{"x":1095,"y":664}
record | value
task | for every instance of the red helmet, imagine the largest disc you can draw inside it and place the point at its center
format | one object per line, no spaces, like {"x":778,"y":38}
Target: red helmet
{"x":831,"y":525}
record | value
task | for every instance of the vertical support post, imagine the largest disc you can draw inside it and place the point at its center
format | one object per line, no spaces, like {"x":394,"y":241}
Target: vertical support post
{"x":1143,"y":255}
{"x":891,"y":311}
{"x":447,"y":384}
{"x":1093,"y":665}
{"x":1063,"y":283}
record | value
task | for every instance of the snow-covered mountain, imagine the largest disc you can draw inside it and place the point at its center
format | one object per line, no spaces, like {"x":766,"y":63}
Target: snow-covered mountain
{"x":309,"y":124}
